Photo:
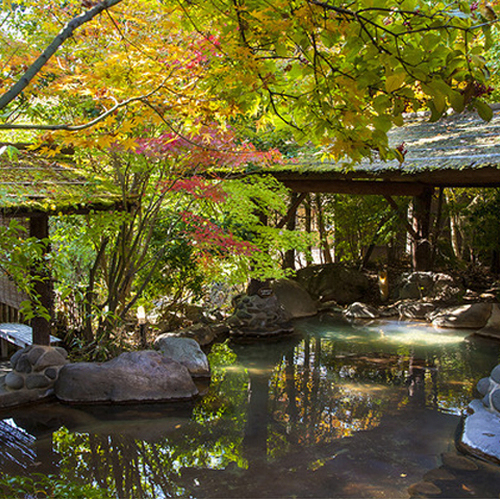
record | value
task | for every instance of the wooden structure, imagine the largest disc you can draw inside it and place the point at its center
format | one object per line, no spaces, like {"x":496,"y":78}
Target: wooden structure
{"x":33,"y":188}
{"x":460,"y":150}
{"x":19,"y":335}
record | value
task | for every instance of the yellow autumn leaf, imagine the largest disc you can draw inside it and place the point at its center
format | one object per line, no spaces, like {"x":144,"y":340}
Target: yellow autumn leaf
{"x":129,"y":144}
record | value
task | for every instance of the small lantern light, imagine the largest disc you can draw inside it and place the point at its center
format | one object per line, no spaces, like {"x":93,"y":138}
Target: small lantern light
{"x":141,"y":315}
{"x":141,"y":320}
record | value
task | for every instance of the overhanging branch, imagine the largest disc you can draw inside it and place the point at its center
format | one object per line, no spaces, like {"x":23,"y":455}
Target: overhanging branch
{"x":76,"y":128}
{"x":67,"y":32}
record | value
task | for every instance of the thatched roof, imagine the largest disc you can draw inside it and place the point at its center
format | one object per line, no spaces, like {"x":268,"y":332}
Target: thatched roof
{"x":460,"y":150}
{"x":33,"y":184}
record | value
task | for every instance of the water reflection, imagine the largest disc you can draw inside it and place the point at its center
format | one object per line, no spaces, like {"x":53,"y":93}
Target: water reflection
{"x":336,"y":411}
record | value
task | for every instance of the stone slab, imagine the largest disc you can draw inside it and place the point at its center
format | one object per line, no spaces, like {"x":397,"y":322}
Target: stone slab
{"x":481,"y":432}
{"x":12,"y":399}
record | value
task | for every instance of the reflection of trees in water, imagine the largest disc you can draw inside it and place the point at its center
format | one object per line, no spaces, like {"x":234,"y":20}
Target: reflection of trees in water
{"x":266,"y":402}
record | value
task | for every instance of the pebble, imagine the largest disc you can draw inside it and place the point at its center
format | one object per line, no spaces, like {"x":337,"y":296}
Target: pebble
{"x":424,"y":488}
{"x":458,"y":462}
{"x":439,"y":475}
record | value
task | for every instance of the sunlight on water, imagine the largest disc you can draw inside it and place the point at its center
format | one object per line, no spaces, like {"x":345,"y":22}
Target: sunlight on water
{"x":337,"y":410}
{"x":397,"y":332}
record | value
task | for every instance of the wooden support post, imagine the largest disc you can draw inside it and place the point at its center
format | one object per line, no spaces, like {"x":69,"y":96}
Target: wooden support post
{"x":39,"y":228}
{"x":289,"y":258}
{"x":308,"y":208}
{"x":4,"y":348}
{"x":323,"y":236}
{"x":421,"y":248}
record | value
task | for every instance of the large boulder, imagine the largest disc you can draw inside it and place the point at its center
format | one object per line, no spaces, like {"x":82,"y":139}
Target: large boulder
{"x":259,"y":316}
{"x":481,"y":429}
{"x":34,"y":373}
{"x":133,"y":376}
{"x":481,"y":432}
{"x":294,"y":298}
{"x":35,"y":367}
{"x":334,"y":282}
{"x":186,"y":351}
{"x":492,"y":327}
{"x":421,"y":285}
{"x":464,"y":316}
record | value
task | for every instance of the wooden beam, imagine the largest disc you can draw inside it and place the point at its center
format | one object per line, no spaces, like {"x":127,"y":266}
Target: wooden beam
{"x":39,"y":228}
{"x":356,"y":187}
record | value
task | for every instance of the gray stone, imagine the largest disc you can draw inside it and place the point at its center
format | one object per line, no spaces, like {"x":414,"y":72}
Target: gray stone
{"x":35,"y":352}
{"x":415,"y":310}
{"x":132,"y":376}
{"x":51,"y":372}
{"x":481,"y":432}
{"x":15,"y":357}
{"x":23,"y":364}
{"x":486,"y":401}
{"x":37,"y":381}
{"x":13,"y":399}
{"x":63,"y":352}
{"x":334,"y":282}
{"x":483,"y":386}
{"x":361,"y":311}
{"x":495,"y":400}
{"x":185,"y":351}
{"x":50,"y":357}
{"x":14,"y":381}
{"x":465,"y":316}
{"x":294,"y":298}
{"x":495,"y":374}
{"x":492,"y":327}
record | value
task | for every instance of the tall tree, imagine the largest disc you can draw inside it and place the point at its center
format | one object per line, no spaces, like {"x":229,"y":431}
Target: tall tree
{"x":340,"y":75}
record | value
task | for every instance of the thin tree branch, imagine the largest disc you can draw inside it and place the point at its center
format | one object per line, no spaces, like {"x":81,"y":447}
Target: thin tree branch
{"x":75,"y":128}
{"x":42,"y":60}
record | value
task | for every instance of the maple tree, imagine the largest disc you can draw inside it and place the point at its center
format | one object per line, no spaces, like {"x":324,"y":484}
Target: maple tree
{"x":178,"y":234}
{"x":152,"y":93}
{"x":339,"y":75}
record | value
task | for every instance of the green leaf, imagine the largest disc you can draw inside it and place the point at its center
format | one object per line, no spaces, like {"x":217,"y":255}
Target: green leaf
{"x":383,"y":123}
{"x":457,"y":101}
{"x":435,"y":114}
{"x":381,"y":103}
{"x":394,"y":82}
{"x":484,"y":110}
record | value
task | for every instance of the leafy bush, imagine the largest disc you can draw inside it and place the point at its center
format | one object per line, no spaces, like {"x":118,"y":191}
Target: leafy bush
{"x":47,"y":486}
